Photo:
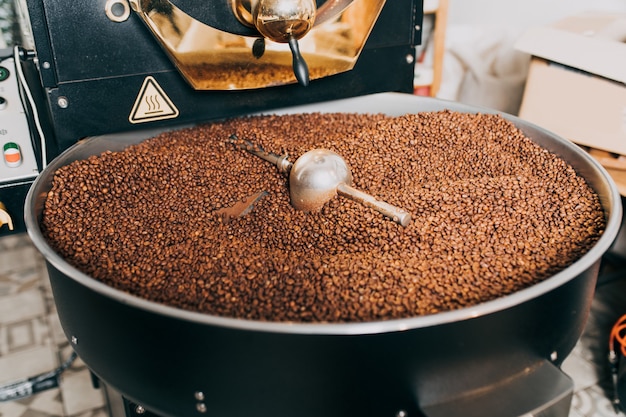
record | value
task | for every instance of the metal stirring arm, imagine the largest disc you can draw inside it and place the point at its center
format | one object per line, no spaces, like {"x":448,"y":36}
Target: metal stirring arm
{"x":320,"y":174}
{"x":317,"y":176}
{"x":394,"y":213}
{"x":280,"y":161}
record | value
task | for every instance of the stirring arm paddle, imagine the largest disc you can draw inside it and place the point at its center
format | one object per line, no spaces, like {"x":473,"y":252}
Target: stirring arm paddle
{"x":392,"y":212}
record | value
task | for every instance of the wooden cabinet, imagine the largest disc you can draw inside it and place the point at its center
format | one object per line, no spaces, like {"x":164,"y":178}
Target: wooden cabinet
{"x":429,"y":67}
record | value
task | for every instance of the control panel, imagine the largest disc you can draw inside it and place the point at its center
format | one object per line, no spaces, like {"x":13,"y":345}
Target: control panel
{"x":18,"y":164}
{"x":18,"y":154}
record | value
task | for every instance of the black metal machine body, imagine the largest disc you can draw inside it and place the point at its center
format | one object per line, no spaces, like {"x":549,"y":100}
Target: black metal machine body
{"x":93,"y":68}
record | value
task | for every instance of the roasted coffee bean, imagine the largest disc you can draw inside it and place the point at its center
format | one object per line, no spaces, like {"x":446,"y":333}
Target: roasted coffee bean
{"x":493,"y":213}
{"x":227,"y":76}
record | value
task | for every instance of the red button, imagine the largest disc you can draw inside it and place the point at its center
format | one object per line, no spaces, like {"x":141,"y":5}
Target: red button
{"x":12,"y":154}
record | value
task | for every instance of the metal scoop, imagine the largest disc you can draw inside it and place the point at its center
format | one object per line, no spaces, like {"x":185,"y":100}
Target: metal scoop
{"x":240,"y":208}
{"x":319,"y":175}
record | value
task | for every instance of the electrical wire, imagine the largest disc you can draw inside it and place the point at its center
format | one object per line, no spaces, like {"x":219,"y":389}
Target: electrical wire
{"x":618,"y":336}
{"x":27,"y":387}
{"x":22,"y":79}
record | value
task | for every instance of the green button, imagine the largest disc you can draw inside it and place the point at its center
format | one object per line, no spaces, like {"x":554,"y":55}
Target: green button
{"x":10,"y":145}
{"x":4,"y":73}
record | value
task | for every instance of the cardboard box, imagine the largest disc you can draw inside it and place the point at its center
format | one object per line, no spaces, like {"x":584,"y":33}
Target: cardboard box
{"x":576,"y":85}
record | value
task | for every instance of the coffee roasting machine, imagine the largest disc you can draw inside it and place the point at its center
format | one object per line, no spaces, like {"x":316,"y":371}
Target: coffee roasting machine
{"x":125,"y":67}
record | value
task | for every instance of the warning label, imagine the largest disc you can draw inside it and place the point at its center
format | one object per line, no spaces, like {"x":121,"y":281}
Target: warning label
{"x":152,"y":104}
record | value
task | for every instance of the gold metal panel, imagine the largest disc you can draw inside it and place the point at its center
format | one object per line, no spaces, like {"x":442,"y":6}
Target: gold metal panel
{"x":212,"y":59}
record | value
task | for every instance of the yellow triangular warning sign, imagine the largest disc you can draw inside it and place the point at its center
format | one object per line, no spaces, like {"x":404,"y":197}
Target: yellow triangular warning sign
{"x":152,"y":104}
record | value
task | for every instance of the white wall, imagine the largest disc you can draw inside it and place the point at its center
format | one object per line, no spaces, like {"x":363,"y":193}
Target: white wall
{"x":525,"y":13}
{"x":481,"y":65}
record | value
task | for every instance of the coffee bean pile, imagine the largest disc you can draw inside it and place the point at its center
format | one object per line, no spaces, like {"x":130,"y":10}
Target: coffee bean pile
{"x":493,"y":213}
{"x":228,"y":76}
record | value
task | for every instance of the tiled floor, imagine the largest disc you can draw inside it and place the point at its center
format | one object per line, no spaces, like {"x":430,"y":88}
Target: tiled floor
{"x":32,"y":342}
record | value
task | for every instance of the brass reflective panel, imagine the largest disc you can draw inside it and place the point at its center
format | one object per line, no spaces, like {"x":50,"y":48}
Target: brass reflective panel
{"x":213,"y":59}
